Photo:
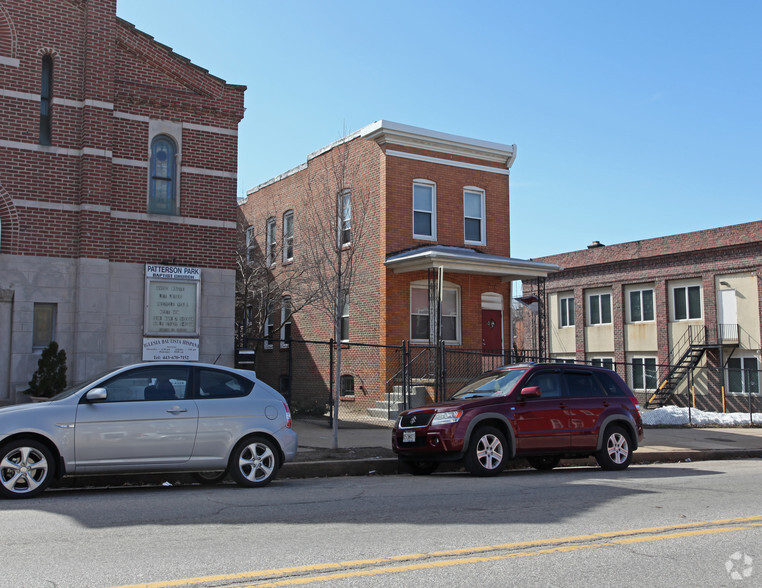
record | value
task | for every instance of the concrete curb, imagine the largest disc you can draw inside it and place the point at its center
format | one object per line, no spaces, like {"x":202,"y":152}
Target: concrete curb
{"x":389,"y":466}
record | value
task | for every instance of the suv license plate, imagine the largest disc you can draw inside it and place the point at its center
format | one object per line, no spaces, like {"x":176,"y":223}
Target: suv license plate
{"x":408,"y":436}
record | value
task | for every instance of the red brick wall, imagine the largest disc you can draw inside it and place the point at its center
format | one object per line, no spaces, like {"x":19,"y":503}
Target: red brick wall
{"x":380,"y":299}
{"x":106,"y":70}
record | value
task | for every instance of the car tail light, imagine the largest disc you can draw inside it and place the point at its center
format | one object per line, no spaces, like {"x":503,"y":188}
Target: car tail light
{"x":288,"y":415}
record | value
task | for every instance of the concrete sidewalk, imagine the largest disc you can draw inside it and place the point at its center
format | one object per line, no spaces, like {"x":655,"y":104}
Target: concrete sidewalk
{"x":366,"y":449}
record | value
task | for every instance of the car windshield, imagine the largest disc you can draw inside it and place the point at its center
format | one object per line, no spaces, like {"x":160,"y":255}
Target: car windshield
{"x":66,"y":392}
{"x":498,"y":383}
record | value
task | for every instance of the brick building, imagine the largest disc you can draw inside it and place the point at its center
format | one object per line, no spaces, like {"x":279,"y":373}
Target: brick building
{"x":679,"y":316}
{"x":430,"y":214}
{"x":117,"y":194}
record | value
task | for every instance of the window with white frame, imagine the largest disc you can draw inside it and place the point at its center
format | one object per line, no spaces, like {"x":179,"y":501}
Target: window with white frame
{"x":644,"y":375}
{"x":641,"y":306}
{"x":285,"y":321}
{"x":474,"y":219}
{"x":424,"y":210}
{"x":419,"y":314}
{"x":567,"y":311}
{"x":250,"y":243}
{"x":44,"y":324}
{"x":599,"y":309}
{"x":269,"y":327}
{"x":344,"y":330}
{"x":271,"y":241}
{"x":345,"y":217}
{"x":604,"y":362}
{"x":743,"y":375}
{"x":288,"y":236}
{"x":686,"y":302}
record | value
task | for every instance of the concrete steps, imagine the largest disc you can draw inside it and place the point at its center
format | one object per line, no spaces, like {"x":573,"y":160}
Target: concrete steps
{"x":393,"y":402}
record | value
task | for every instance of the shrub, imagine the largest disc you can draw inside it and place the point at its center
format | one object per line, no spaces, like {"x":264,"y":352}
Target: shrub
{"x":50,"y":377}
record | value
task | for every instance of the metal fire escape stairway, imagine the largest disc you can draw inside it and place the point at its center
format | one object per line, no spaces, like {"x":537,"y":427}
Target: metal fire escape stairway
{"x":675,"y":375}
{"x":690,"y":349}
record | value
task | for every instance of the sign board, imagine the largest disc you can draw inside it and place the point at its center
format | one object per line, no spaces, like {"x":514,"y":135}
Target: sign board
{"x":170,"y":349}
{"x":172,"y":301}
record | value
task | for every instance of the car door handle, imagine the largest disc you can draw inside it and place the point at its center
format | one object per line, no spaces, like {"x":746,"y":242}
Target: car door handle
{"x":176,"y":409}
{"x":562,"y":405}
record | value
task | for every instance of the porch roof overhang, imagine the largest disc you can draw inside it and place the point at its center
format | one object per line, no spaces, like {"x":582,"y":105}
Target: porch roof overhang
{"x":461,"y":260}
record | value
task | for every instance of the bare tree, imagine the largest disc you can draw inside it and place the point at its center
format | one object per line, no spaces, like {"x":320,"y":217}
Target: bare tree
{"x":337,"y":205}
{"x":261,"y":283}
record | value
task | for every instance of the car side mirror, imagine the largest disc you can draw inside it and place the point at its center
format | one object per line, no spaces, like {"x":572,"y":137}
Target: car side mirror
{"x":96,"y":394}
{"x":531,"y":392}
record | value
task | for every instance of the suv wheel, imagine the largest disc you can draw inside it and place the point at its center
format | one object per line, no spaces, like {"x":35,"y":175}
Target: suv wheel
{"x":544,"y":463}
{"x":26,"y":468}
{"x":485,"y":455}
{"x":615,"y":454}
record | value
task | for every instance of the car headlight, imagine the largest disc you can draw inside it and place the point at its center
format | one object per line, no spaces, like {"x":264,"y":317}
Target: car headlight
{"x":444,"y":418}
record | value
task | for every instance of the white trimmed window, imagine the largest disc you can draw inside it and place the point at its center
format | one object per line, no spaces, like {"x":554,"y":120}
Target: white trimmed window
{"x":567,"y":311}
{"x":344,"y":316}
{"x":599,"y":309}
{"x":285,"y":321}
{"x":604,"y":362}
{"x":743,"y":375}
{"x":686,"y":303}
{"x":474,"y":216}
{"x":424,"y":210}
{"x":250,"y":243}
{"x":345,"y":217}
{"x":419,"y":314}
{"x":644,"y":375}
{"x":288,"y":236}
{"x":272,"y":241}
{"x":269,"y":322}
{"x":641,"y":306}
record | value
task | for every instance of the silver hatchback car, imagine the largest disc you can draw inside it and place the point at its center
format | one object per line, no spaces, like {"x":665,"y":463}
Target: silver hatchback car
{"x":149,"y":418}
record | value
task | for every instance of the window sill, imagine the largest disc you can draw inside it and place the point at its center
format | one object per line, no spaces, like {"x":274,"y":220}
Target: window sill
{"x":346,"y":398}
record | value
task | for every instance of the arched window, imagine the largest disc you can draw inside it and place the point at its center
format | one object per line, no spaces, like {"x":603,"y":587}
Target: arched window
{"x":163,"y":189}
{"x":46,"y":99}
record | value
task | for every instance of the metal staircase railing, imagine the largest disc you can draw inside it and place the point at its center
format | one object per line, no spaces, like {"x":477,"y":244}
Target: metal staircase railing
{"x":688,"y":350}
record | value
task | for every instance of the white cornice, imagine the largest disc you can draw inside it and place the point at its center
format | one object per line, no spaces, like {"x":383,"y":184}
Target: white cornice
{"x":387,"y":132}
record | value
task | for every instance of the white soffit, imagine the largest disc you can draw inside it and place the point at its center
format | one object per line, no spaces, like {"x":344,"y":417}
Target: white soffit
{"x":467,"y":261}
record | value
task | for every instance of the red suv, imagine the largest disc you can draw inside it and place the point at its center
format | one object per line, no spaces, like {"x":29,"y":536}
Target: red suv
{"x":541,"y":412}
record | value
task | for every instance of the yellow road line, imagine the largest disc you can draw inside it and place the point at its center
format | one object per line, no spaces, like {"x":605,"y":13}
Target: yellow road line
{"x":616,"y":538}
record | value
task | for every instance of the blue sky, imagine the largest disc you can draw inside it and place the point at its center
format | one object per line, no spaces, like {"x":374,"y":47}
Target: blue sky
{"x":632,"y":120}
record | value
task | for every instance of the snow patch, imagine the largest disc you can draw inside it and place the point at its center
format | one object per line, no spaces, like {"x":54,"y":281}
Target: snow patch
{"x":678,"y":415}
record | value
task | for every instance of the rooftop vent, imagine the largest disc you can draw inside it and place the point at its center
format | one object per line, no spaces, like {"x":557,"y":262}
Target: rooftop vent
{"x":595,"y":245}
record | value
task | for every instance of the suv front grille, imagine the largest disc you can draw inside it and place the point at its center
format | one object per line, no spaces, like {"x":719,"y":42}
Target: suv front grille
{"x":416,"y":420}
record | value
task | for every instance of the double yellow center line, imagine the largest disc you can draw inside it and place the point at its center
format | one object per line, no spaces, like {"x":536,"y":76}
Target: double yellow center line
{"x":439,"y":559}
